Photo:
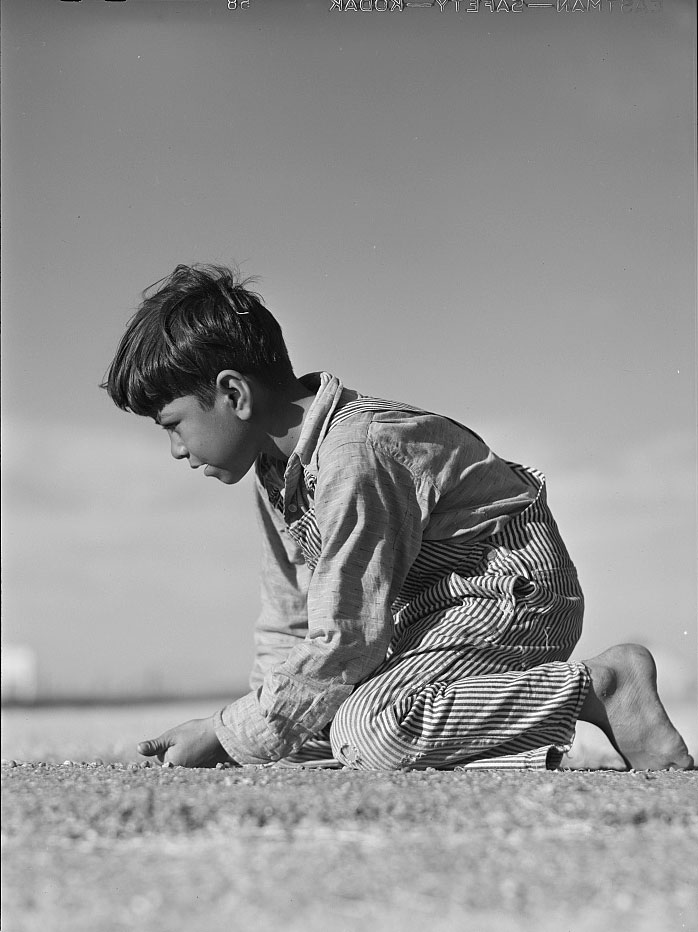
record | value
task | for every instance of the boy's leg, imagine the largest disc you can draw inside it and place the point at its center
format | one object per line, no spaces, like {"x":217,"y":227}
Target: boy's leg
{"x":426,"y":709}
{"x":522,"y":719}
{"x":518,"y":720}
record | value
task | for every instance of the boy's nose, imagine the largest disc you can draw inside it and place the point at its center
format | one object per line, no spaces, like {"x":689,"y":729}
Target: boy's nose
{"x":178,"y":450}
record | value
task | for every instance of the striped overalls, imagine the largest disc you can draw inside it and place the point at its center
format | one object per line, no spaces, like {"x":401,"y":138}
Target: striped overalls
{"x":476,"y":673}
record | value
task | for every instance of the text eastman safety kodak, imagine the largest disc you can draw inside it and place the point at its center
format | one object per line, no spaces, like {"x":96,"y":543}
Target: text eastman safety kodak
{"x":493,"y":6}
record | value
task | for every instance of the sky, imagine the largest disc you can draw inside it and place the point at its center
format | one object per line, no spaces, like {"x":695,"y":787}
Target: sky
{"x":486,"y":214}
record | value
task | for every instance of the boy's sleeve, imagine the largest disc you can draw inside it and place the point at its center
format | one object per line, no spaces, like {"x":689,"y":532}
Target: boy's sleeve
{"x":369,"y":517}
{"x":283,"y":619}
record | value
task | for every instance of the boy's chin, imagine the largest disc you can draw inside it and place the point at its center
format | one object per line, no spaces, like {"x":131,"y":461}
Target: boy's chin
{"x":222,"y":475}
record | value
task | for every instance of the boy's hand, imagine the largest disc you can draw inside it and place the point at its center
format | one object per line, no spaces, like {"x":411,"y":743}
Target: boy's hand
{"x":191,"y":744}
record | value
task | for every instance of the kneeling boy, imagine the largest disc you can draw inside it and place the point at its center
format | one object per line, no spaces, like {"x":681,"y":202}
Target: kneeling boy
{"x":419,"y":606}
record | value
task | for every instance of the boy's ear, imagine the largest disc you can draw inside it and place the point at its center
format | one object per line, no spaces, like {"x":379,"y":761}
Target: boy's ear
{"x":237,"y":390}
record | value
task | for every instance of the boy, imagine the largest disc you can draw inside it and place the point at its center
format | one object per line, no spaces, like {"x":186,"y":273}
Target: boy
{"x":418,"y":604}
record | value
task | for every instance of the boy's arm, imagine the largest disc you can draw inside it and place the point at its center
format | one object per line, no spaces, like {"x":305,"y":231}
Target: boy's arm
{"x":283,"y":619}
{"x":282,"y":623}
{"x":370,"y":521}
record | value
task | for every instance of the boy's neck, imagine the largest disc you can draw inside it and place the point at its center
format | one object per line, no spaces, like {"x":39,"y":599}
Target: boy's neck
{"x":285,"y":413}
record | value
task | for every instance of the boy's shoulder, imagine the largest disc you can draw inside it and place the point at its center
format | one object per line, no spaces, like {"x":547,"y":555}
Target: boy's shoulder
{"x":365,"y":411}
{"x":345,"y":429}
{"x":396,"y":427}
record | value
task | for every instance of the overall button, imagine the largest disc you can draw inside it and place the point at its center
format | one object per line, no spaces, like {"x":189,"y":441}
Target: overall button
{"x":492,"y":556}
{"x":292,"y":508}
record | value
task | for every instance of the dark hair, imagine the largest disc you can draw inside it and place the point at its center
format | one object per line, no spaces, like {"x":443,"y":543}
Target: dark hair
{"x":190,"y":326}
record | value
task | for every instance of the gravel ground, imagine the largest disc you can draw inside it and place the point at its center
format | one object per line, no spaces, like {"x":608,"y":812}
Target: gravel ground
{"x":125,"y":847}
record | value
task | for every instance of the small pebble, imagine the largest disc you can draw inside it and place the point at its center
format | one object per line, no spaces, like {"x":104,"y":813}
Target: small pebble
{"x":145,"y":764}
{"x":98,"y":761}
{"x":168,"y":763}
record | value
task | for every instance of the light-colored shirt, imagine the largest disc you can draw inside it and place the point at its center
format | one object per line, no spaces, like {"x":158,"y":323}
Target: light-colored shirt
{"x":377,"y":501}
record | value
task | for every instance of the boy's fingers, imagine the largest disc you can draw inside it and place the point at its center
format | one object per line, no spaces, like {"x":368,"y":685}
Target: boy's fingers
{"x":153,"y":746}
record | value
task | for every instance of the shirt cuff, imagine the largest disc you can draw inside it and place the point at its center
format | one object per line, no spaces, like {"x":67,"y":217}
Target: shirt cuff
{"x":249,"y":736}
{"x":244,"y":733}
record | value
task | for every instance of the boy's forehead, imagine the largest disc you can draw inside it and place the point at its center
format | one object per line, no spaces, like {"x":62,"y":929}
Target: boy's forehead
{"x":178,"y":407}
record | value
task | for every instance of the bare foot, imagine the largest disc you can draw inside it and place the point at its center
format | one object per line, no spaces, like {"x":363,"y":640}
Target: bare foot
{"x":591,"y":750}
{"x":623,"y":702}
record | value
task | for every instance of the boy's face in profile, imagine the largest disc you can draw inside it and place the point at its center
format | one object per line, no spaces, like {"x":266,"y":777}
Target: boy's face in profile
{"x":219,"y":438}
